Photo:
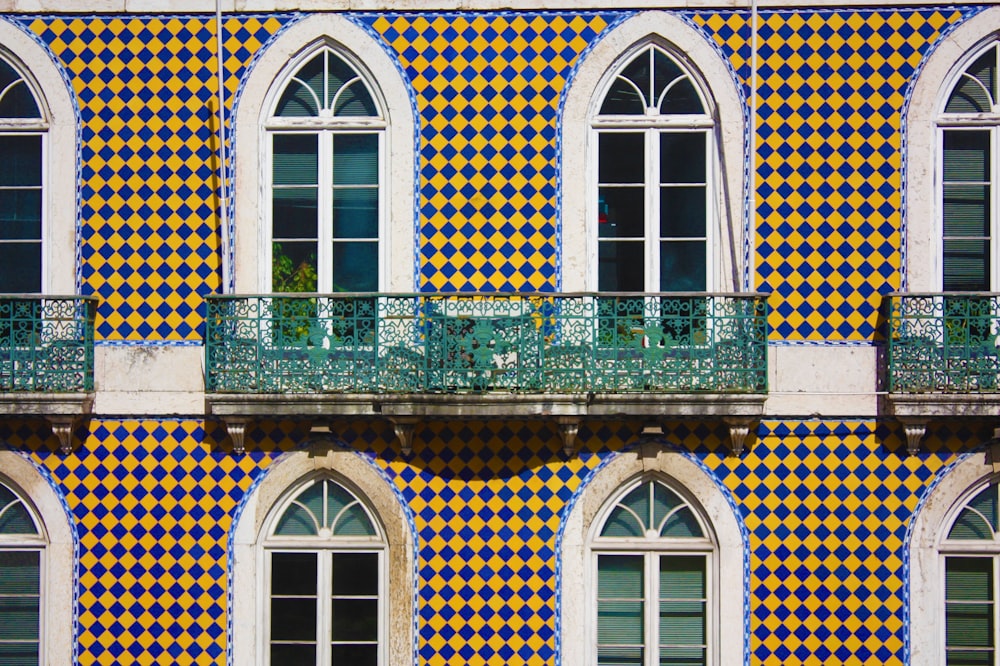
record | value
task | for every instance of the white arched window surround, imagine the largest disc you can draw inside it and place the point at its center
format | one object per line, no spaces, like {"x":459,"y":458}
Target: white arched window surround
{"x":651,"y":461}
{"x":282,"y":58}
{"x":60,"y":157}
{"x":58,"y":585}
{"x":928,"y":529}
{"x":248,"y":591}
{"x":922,"y":214}
{"x":726,"y":164}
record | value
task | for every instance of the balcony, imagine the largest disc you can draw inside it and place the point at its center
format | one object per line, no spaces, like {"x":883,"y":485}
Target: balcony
{"x":943,"y":358}
{"x":47,"y":358}
{"x":565,"y":357}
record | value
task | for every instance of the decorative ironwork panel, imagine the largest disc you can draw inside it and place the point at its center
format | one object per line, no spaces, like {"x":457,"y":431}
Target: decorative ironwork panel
{"x":46,"y":343}
{"x":944,"y":343}
{"x":517,"y":343}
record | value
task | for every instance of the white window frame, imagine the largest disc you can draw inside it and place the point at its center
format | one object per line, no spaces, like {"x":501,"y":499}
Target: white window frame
{"x":56,"y":543}
{"x":728,"y":603}
{"x":324,"y":547}
{"x":249,"y":584}
{"x":651,"y":549}
{"x":324,"y":127}
{"x":399,"y":198}
{"x":58,"y":128}
{"x":728,"y":215}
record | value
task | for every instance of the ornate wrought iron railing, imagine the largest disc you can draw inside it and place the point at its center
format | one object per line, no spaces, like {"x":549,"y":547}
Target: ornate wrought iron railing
{"x":944,"y":343}
{"x":46,"y":343}
{"x":520,"y":343}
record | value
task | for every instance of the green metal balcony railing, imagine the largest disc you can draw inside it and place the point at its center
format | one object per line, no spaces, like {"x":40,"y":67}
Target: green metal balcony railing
{"x":944,"y":343}
{"x":515,"y":343}
{"x":46,"y":343}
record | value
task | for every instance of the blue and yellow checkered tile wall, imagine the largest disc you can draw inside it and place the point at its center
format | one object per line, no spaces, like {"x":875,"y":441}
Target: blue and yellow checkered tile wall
{"x":487,"y":88}
{"x":825,"y":506}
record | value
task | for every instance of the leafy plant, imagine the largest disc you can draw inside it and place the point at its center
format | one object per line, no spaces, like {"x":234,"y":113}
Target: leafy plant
{"x":294,"y":317}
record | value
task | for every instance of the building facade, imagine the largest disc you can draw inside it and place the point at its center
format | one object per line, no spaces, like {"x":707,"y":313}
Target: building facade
{"x":646,"y":335}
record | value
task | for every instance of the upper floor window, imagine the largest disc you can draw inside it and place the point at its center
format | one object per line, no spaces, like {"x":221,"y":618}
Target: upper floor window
{"x":324,"y":559}
{"x":22,"y":548}
{"x":325,"y":141}
{"x":968,"y":133}
{"x":653,"y":194}
{"x":655,"y":564}
{"x":23,"y":131}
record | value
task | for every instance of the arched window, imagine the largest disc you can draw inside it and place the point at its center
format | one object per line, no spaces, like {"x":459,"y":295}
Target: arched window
{"x":653,"y":195}
{"x":325,"y":139}
{"x":324,"y":558}
{"x":970,"y":550}
{"x":23,"y":135}
{"x":968,"y":133}
{"x":22,"y":549}
{"x":655,"y":563}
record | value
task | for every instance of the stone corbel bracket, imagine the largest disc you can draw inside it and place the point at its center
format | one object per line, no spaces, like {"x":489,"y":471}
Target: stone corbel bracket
{"x":739,"y":429}
{"x":63,"y":427}
{"x":236,"y":427}
{"x":569,"y":428}
{"x":404,"y":427}
{"x":915,"y":431}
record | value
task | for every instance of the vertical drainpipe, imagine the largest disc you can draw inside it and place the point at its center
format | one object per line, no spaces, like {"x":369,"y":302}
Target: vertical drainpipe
{"x":224,"y":240}
{"x":753,"y":143}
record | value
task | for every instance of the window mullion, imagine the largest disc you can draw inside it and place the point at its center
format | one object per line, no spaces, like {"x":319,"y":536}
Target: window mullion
{"x":652,"y":609}
{"x":653,"y":206}
{"x":324,"y":204}
{"x":324,"y":612}
{"x":993,"y":209}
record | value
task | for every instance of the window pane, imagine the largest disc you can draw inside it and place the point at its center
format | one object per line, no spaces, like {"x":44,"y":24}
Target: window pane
{"x":20,"y":268}
{"x":621,"y":157}
{"x":966,"y":156}
{"x":682,"y":157}
{"x":974,"y":92}
{"x":20,"y":214}
{"x":682,"y":98}
{"x":623,"y":98}
{"x":19,"y":654}
{"x":294,"y":213}
{"x":354,"y":101}
{"x":354,"y":522}
{"x":355,"y":266}
{"x":17,"y":102}
{"x":681,"y":524}
{"x":969,"y":602}
{"x":619,"y":576}
{"x":682,"y":212}
{"x":293,"y":267}
{"x":354,"y":655}
{"x":979,"y":519}
{"x":355,"y":213}
{"x":355,"y":573}
{"x":355,"y":619}
{"x":293,"y":574}
{"x":19,"y":618}
{"x":296,"y":159}
{"x":621,"y":266}
{"x":966,"y":265}
{"x":19,"y":572}
{"x":682,"y":656}
{"x":292,"y":655}
{"x":619,"y":655}
{"x":621,"y":212}
{"x":620,"y":601}
{"x":20,"y":160}
{"x":355,"y":159}
{"x":293,"y":619}
{"x":15,"y":519}
{"x":966,"y":210}
{"x":303,"y":96}
{"x":682,"y":266}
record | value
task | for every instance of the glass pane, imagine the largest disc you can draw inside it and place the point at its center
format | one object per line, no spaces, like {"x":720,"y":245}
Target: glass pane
{"x":966,"y":210}
{"x":355,"y":213}
{"x":19,"y":654}
{"x":682,"y":577}
{"x":682,"y":623}
{"x":20,"y":214}
{"x":664,"y":501}
{"x":682,"y":99}
{"x":355,"y":573}
{"x":354,"y":655}
{"x":293,"y":619}
{"x":623,"y":98}
{"x":681,"y":524}
{"x":354,"y":101}
{"x":355,"y":266}
{"x":302,"y":97}
{"x":294,"y":213}
{"x":967,"y":156}
{"x":969,"y":604}
{"x":621,"y":266}
{"x":966,"y":265}
{"x":296,"y":159}
{"x":20,"y":268}
{"x":682,"y":266}
{"x":969,"y":579}
{"x":619,"y":655}
{"x":19,"y":572}
{"x":682,"y":212}
{"x":14,"y":516}
{"x":292,"y":655}
{"x":978,"y":520}
{"x":638,"y":501}
{"x":293,"y":267}
{"x":665,"y":72}
{"x":682,"y":656}
{"x":354,"y":522}
{"x":304,"y":516}
{"x":19,"y":618}
{"x":293,"y":574}
{"x":619,"y":576}
{"x":622,"y":523}
{"x":975,"y":91}
{"x":355,"y":159}
{"x":619,"y":622}
{"x":621,"y":212}
{"x":355,"y":619}
{"x":17,"y":102}
{"x":682,"y":157}
{"x":621,"y":157}
{"x":20,"y":160}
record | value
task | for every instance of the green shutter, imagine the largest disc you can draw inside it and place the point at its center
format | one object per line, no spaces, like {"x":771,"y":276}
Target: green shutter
{"x":969,"y":610}
{"x":620,"y":609}
{"x":683,"y":602}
